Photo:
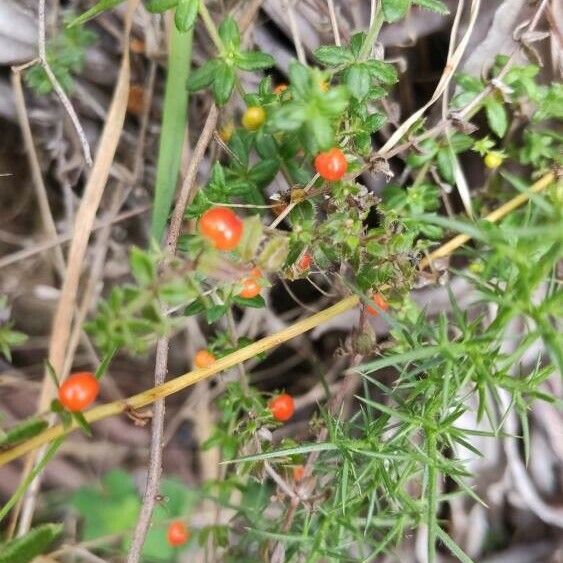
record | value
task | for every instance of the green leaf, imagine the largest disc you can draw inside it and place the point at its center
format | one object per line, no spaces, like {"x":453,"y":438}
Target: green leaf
{"x":264,"y":172}
{"x":142,"y":267}
{"x":445,"y":165}
{"x":254,"y":302}
{"x":375,"y":122}
{"x":229,"y":33}
{"x":322,"y":131}
{"x":251,"y":238}
{"x":288,"y":118}
{"x":254,"y":60}
{"x":302,"y":213}
{"x":334,"y":102}
{"x":23,"y":431}
{"x":223,"y":84}
{"x":434,"y":5}
{"x":331,"y":55}
{"x":358,"y":80}
{"x":52,"y":373}
{"x":82,"y":422}
{"x":273,"y":257}
{"x":159,"y":6}
{"x":394,"y":10}
{"x":203,"y":76}
{"x":496,"y":116}
{"x":357,"y":42}
{"x":300,"y":79}
{"x":186,"y":14}
{"x":102,"y":368}
{"x":381,"y":71}
{"x":109,"y":508}
{"x":215,"y":312}
{"x":174,"y":120}
{"x":195,"y":308}
{"x":94,"y":11}
{"x":452,"y":546}
{"x":34,"y":543}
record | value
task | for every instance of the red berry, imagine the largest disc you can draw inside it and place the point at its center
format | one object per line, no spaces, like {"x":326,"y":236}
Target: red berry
{"x":378,"y":299}
{"x":331,"y":165}
{"x":298,"y":473}
{"x":251,"y":286}
{"x":282,"y":407}
{"x":178,"y":534}
{"x":222,"y":227}
{"x":203,"y":359}
{"x":305,"y":261}
{"x":79,"y":391}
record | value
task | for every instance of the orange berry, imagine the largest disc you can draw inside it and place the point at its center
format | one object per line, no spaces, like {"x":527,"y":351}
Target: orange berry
{"x":305,"y":261}
{"x":331,"y":165}
{"x":250,"y":288}
{"x":79,"y":391}
{"x":178,"y":534}
{"x":378,"y":299}
{"x":298,"y":473}
{"x":222,"y":227}
{"x":282,"y":407}
{"x":280,"y":89}
{"x":203,"y":359}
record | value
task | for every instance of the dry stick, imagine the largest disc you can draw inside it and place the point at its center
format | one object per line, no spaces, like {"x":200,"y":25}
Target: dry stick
{"x":118,"y":198}
{"x":58,"y":88}
{"x":42,"y":247}
{"x":288,"y":6}
{"x":161,"y":364}
{"x":51,"y":232}
{"x":443,"y":84}
{"x":83,"y":226}
{"x":388,"y":152}
{"x":334,"y":22}
{"x":181,"y":382}
{"x":493,"y":217}
{"x":41,"y":190}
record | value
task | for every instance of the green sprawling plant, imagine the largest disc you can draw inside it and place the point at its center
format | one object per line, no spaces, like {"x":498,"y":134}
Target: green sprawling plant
{"x":376,"y":477}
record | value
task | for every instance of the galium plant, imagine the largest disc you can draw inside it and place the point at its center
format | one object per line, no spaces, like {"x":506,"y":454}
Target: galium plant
{"x":367,"y":481}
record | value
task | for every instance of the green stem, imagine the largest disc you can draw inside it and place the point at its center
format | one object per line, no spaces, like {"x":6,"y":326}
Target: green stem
{"x":211,"y":27}
{"x":51,"y":450}
{"x":174,"y":121}
{"x":432,"y":514}
{"x":372,"y":33}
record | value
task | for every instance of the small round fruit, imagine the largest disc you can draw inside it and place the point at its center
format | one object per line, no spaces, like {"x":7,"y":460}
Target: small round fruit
{"x":79,"y":391}
{"x":331,"y":165}
{"x":298,"y":473}
{"x":251,"y":286}
{"x":378,"y":299}
{"x":253,"y":118}
{"x":178,"y":534}
{"x":222,"y":227}
{"x":203,"y":359}
{"x":493,"y":159}
{"x":282,"y":407}
{"x":280,"y":89}
{"x":305,"y":261}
